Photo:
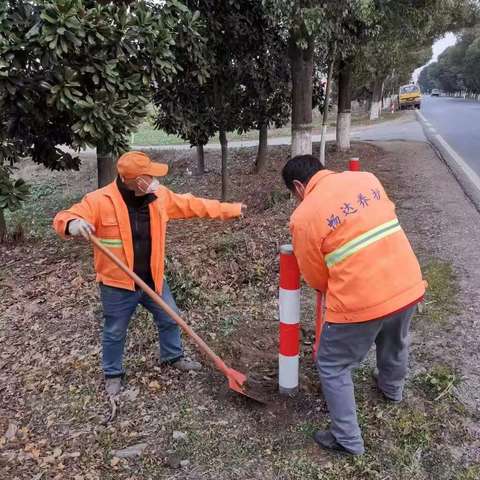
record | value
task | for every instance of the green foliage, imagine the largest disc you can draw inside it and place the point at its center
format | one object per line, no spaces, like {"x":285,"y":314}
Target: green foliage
{"x":440,"y":298}
{"x":388,"y":61}
{"x":247,"y":76}
{"x":344,"y":21}
{"x":12,"y":192}
{"x":265,"y":76}
{"x":439,"y":382}
{"x":229,"y":324}
{"x":183,"y":105}
{"x":41,"y":191}
{"x":80,"y":73}
{"x":458,"y":68}
{"x":414,"y":432}
{"x":307,"y":429}
{"x":403,"y":38}
{"x":470,"y":473}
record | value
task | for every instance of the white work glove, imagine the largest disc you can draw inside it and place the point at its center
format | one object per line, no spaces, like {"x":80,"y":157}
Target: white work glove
{"x":243,"y":210}
{"x":80,"y":227}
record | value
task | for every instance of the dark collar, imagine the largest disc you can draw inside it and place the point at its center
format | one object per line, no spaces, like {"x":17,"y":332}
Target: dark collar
{"x":132,"y":200}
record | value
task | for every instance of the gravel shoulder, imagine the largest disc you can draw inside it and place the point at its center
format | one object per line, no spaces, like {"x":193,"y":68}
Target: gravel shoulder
{"x":441,"y":222}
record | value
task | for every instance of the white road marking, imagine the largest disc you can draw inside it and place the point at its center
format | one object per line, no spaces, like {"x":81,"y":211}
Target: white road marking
{"x":420,"y":114}
{"x":472,"y":176}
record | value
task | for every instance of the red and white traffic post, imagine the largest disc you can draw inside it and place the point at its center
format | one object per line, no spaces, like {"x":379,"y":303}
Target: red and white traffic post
{"x":289,"y":315}
{"x":354,"y":164}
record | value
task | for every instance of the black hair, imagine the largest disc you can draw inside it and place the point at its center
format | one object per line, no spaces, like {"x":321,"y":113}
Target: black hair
{"x":301,"y":168}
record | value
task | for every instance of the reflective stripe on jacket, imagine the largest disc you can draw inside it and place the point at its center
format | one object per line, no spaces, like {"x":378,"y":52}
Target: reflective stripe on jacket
{"x":350,"y":244}
{"x":106,"y":210}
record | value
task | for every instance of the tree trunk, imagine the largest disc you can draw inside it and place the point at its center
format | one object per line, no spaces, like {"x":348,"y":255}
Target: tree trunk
{"x":301,"y":64}
{"x":200,"y":160}
{"x":344,"y":105}
{"x":377,"y":95}
{"x":3,"y":226}
{"x":323,"y":141}
{"x":106,"y":166}
{"x":262,"y":151}
{"x":224,"y":145}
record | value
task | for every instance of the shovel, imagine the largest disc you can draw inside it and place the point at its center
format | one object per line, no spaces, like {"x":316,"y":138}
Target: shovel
{"x":236,"y":380}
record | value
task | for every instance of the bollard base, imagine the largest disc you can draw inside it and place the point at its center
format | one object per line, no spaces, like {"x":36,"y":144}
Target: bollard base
{"x":288,"y":392}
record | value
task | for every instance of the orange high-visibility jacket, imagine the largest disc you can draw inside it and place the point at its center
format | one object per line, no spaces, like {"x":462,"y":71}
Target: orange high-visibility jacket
{"x":350,"y":245}
{"x":106,"y":210}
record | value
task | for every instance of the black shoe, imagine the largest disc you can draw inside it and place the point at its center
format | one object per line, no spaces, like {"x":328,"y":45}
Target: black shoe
{"x":375,"y":373}
{"x":327,"y":441}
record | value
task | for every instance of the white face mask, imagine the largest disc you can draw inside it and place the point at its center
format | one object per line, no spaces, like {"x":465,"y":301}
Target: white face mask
{"x":154,"y":186}
{"x":148,"y":187}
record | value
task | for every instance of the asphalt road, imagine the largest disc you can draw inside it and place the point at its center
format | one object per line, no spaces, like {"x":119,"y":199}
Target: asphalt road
{"x":404,"y":128}
{"x":458,"y":122}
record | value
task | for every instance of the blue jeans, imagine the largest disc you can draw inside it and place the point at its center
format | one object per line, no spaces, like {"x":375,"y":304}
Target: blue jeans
{"x":118,"y":307}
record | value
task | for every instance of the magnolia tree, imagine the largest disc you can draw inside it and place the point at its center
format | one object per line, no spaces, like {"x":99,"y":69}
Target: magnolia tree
{"x":80,"y":74}
{"x":247,"y":86}
{"x":266,"y":86}
{"x":12,"y":191}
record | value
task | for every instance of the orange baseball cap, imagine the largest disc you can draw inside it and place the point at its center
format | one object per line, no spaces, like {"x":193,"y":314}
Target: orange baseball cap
{"x":133,"y":164}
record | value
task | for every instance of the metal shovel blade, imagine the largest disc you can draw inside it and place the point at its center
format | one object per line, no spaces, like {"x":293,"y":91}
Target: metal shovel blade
{"x":237,"y":381}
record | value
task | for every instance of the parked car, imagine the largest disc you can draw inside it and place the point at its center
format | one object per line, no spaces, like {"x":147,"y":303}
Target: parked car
{"x":435,"y":92}
{"x":409,"y":96}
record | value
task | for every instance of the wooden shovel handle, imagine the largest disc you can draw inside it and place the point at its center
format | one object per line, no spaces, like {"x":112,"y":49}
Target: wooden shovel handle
{"x":219,"y":363}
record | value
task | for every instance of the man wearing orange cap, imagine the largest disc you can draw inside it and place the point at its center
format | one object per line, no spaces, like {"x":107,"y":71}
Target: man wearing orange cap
{"x":130,"y":216}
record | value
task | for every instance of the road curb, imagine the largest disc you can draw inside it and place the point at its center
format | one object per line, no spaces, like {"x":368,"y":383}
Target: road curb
{"x":465,"y":176}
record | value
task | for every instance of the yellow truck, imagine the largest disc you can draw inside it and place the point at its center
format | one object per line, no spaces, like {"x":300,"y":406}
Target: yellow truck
{"x":409,"y":96}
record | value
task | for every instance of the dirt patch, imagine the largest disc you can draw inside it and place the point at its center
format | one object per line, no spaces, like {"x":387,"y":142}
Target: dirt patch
{"x":225,"y":276}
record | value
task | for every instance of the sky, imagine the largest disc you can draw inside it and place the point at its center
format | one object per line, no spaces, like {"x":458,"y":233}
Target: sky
{"x":438,"y":47}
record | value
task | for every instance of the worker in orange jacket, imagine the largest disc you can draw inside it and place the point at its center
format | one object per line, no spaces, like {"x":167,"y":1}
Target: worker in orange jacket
{"x":350,"y":246}
{"x":130,"y":218}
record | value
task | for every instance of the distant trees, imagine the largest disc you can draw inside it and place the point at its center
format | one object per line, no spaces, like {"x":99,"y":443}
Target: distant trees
{"x":384,"y":66}
{"x":458,"y":68}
